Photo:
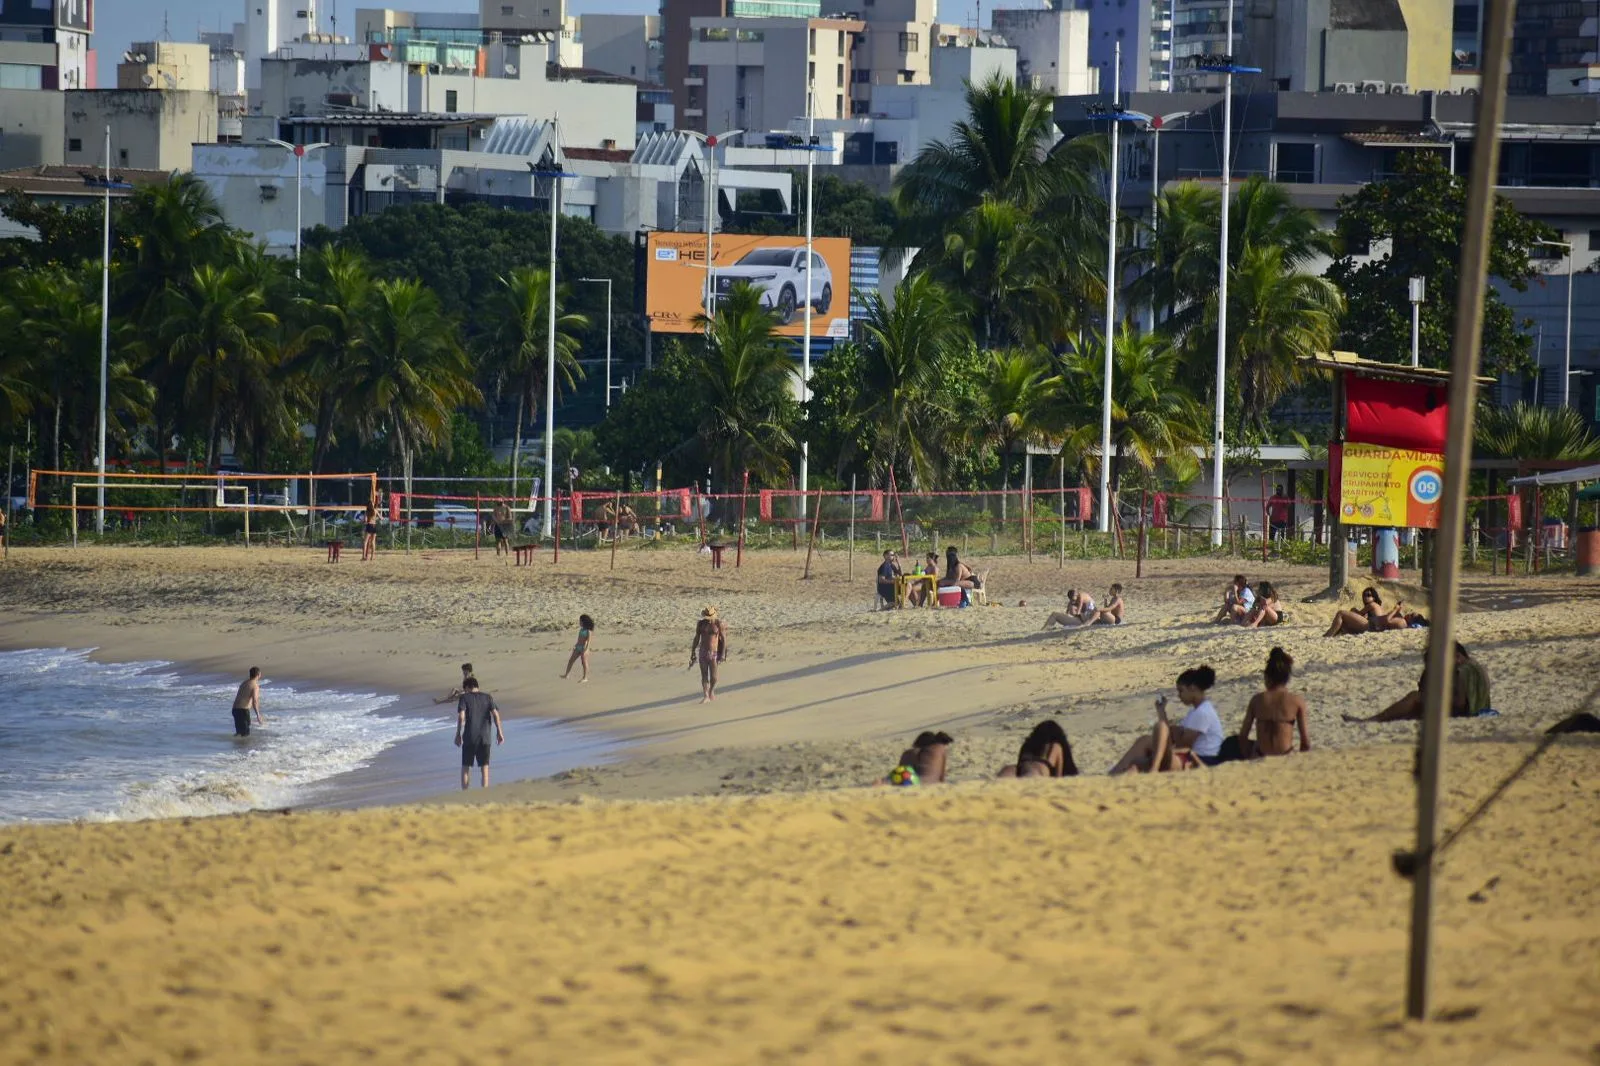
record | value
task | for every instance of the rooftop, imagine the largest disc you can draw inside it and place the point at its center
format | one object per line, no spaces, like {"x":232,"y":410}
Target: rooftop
{"x":387,"y":118}
{"x":75,"y":181}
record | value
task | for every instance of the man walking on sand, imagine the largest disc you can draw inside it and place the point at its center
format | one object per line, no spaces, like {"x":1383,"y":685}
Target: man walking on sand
{"x":246,"y":700}
{"x":475,"y":712}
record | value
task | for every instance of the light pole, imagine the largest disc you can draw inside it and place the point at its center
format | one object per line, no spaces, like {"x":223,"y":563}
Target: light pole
{"x":299,"y":151}
{"x":554,"y":174}
{"x":811,"y":149}
{"x":1155,"y":125}
{"x":711,"y":141}
{"x":1419,"y":288}
{"x":1116,"y":116}
{"x":607,"y":283}
{"x":1223,"y":64}
{"x":105,"y":334}
{"x":1566,"y":362}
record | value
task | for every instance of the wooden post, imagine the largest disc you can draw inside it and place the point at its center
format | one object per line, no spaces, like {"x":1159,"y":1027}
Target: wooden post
{"x":557,"y":523}
{"x":811,"y":542}
{"x":850,"y":556}
{"x":744,"y":498}
{"x":1027,"y":503}
{"x":1138,"y":565}
{"x":894,"y":488}
{"x":1061,"y":505}
{"x":1266,"y":518}
{"x":477,"y":524}
{"x":616,"y":513}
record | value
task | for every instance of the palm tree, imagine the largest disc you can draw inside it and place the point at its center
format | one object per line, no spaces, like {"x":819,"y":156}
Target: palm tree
{"x":901,"y":408}
{"x":745,"y":384}
{"x":1276,"y":317}
{"x":217,"y":334}
{"x":519,"y":343}
{"x":173,"y":227}
{"x":1154,"y":416}
{"x":332,"y":308}
{"x":413,"y":373}
{"x":18,"y":390}
{"x":1530,"y":431}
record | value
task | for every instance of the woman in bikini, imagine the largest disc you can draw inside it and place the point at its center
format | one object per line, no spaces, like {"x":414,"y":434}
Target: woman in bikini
{"x":1045,"y":753}
{"x":369,"y":533}
{"x":927,"y":755}
{"x":1266,"y":611}
{"x":1371,"y":618}
{"x":1275,"y":713}
{"x":958,"y":573}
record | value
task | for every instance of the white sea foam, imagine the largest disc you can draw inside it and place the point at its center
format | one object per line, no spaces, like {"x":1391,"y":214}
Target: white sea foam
{"x":101,"y":741}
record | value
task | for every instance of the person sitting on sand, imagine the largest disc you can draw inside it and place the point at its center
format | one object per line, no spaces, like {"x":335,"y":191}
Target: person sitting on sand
{"x":1275,"y":713}
{"x":1196,"y":741}
{"x":1110,"y":614}
{"x":1266,"y":612}
{"x":1080,"y":606}
{"x":888,"y":570}
{"x":1237,"y":601}
{"x":1370,"y":618}
{"x":927,"y":756}
{"x":710,"y":647}
{"x":1045,"y":752}
{"x":455,"y":693}
{"x":1469,"y":695}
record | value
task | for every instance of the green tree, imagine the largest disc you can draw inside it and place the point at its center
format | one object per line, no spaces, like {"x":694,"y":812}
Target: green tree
{"x":331,"y":310}
{"x":844,"y":209}
{"x":657,"y":421}
{"x":1276,"y":317}
{"x":1413,"y":223}
{"x":517,"y":349}
{"x":1530,"y":431}
{"x":747,"y":413}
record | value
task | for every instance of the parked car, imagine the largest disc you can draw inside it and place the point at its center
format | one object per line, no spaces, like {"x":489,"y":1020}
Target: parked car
{"x":780,"y":274}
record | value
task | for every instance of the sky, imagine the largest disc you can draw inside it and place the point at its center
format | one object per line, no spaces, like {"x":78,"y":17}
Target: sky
{"x":121,"y":22}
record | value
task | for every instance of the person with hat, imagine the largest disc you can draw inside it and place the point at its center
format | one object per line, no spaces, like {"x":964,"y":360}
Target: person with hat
{"x":710,"y":647}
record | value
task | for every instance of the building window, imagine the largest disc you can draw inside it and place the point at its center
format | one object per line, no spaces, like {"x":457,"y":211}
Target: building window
{"x":812,"y":42}
{"x":811,"y":73}
{"x":122,"y":156}
{"x":839,"y":76}
{"x":450,"y":101}
{"x":838,"y":106}
{"x":505,"y":10}
{"x":74,"y":144}
{"x":910,"y":42}
{"x":841,"y":44}
{"x":1594,"y":240}
{"x":861,"y":77}
{"x":1296,"y":163}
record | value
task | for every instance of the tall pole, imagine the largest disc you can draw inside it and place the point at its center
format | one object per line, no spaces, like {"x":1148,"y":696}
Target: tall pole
{"x":550,"y":351}
{"x":1566,"y":362}
{"x":1111,"y":305}
{"x":1464,"y":361}
{"x":1222,"y":293}
{"x":105,"y":344}
{"x":608,"y":344}
{"x":1418,"y":290}
{"x":299,"y":226}
{"x":805,"y":349}
{"x":711,"y":203}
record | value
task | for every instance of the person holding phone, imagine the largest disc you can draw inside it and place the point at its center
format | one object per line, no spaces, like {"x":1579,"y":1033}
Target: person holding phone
{"x":1193,"y":742}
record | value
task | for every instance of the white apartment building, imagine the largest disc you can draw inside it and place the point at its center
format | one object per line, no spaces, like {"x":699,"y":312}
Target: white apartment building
{"x":1052,"y":48}
{"x":151,"y":129}
{"x":267,"y":26}
{"x":628,"y":46}
{"x":754,"y":73}
{"x":165,"y":65}
{"x":44,"y":44}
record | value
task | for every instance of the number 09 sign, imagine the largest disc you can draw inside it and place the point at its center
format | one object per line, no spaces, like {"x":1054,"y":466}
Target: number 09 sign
{"x":1390,"y":487}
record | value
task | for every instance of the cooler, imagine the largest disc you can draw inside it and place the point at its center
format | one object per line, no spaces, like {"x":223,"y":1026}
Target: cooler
{"x":950,"y":596}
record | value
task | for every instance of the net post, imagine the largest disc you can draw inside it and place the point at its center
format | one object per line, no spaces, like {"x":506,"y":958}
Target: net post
{"x":477,"y":524}
{"x":247,"y":516}
{"x":1061,"y":506}
{"x":1266,"y":524}
{"x":1138,"y":563}
{"x":616,"y":513}
{"x":556,"y":522}
{"x":74,"y":514}
{"x":850,"y":551}
{"x":744,"y":499}
{"x":811,"y":542}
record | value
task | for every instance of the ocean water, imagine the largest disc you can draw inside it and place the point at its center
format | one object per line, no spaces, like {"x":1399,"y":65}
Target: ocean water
{"x":106,"y":741}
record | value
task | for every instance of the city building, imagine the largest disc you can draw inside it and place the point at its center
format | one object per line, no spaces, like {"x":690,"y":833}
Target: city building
{"x":1555,"y":46}
{"x":68,"y":187}
{"x":755,"y":74}
{"x":31,"y":125}
{"x":44,"y":44}
{"x":677,"y":35}
{"x":628,"y":46}
{"x":151,"y":129}
{"x":165,"y":65}
{"x":227,"y":81}
{"x":1052,"y":46}
{"x":267,"y":26}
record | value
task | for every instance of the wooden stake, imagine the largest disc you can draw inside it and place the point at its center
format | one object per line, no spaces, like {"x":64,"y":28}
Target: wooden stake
{"x":811,"y":542}
{"x":850,"y":556}
{"x":616,"y":512}
{"x":744,"y":498}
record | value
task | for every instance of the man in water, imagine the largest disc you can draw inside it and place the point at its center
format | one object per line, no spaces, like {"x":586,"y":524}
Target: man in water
{"x":475,"y":712}
{"x":246,"y":700}
{"x":455,"y":693}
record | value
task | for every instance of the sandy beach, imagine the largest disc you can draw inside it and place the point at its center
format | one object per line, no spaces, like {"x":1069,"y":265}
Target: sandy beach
{"x":1246,"y":914}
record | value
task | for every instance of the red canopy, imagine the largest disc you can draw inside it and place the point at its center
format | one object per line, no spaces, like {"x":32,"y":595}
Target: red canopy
{"x":1396,"y":414}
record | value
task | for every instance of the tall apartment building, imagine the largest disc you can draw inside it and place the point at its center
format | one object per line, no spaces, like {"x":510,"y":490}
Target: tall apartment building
{"x":44,"y":44}
{"x":628,"y":46}
{"x":754,"y":74}
{"x":1052,"y":47}
{"x":1555,"y":47}
{"x":267,"y":26}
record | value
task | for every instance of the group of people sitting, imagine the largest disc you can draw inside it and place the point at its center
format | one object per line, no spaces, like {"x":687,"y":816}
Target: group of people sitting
{"x":1081,"y":610}
{"x":1249,"y":607}
{"x":956,"y":574}
{"x":1374,"y":617}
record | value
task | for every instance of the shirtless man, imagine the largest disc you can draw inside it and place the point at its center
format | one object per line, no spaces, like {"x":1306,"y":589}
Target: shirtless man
{"x":710,"y":647}
{"x":455,"y":693}
{"x":475,"y":712}
{"x":246,"y":700}
{"x":1080,"y":608}
{"x":1110,"y":614}
{"x":1275,"y":713}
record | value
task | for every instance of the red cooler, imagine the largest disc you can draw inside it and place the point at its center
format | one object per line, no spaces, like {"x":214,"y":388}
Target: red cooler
{"x":950,"y":596}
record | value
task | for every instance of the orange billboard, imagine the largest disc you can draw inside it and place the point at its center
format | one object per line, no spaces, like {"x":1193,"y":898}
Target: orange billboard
{"x":675,"y":280}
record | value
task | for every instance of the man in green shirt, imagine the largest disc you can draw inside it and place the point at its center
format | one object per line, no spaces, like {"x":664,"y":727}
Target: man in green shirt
{"x":1469,"y":696}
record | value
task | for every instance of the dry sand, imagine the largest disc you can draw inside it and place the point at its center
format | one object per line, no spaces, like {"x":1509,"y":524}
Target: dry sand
{"x":1246,"y":914}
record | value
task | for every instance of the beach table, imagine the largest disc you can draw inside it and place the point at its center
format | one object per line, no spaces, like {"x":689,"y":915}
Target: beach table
{"x":716,"y":555}
{"x":903,"y":583}
{"x":334,"y":547}
{"x":524,"y":553}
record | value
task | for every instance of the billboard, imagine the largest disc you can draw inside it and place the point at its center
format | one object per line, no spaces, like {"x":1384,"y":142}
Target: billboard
{"x":675,"y":279}
{"x":1390,"y":487}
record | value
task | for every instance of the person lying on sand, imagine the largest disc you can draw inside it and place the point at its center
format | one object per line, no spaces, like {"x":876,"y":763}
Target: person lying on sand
{"x":927,"y":756}
{"x":1371,"y":618}
{"x":1266,"y":611}
{"x":1196,"y":741}
{"x":1275,"y":713}
{"x":1045,"y":753}
{"x":1237,"y":600}
{"x":1080,"y":606}
{"x":455,"y":693}
{"x":1469,"y":694}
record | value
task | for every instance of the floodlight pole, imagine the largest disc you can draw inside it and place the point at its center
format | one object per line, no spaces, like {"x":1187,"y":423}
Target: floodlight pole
{"x":1566,"y":362}
{"x":607,"y":283}
{"x":1111,"y":303}
{"x":299,"y":151}
{"x":1222,"y":294}
{"x":105,"y":346}
{"x":805,"y":352}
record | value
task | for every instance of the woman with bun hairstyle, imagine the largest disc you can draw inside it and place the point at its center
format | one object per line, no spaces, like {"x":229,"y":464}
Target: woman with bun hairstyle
{"x":1276,"y":713}
{"x":1195,"y":741}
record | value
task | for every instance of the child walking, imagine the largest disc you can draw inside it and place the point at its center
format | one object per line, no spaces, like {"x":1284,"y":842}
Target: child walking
{"x":580,"y":650}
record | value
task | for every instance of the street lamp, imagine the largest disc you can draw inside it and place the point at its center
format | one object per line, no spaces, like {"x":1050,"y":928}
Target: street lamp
{"x":1419,"y":289}
{"x":607,"y":283}
{"x":811,"y":148}
{"x":554,"y":174}
{"x":1566,"y":364}
{"x":1222,"y":64}
{"x":711,"y":141}
{"x":1155,"y":126}
{"x":1116,"y":116}
{"x":105,"y":336}
{"x":299,"y":151}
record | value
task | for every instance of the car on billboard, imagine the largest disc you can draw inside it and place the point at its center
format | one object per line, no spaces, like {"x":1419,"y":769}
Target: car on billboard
{"x":780,"y":274}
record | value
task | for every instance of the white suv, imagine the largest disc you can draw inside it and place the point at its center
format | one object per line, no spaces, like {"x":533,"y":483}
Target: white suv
{"x":780,"y":274}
